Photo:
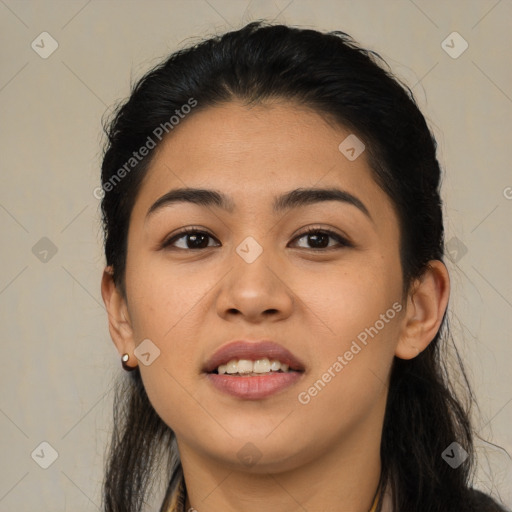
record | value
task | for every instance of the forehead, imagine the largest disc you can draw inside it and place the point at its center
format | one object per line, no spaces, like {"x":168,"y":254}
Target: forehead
{"x":255,"y":137}
{"x":254,"y":154}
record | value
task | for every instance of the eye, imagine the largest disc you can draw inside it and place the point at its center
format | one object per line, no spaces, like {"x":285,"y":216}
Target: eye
{"x":197,"y":239}
{"x":194,"y":239}
{"x":319,"y":238}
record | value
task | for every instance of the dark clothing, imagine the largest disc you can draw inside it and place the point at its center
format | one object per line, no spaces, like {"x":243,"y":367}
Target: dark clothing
{"x":484,"y":503}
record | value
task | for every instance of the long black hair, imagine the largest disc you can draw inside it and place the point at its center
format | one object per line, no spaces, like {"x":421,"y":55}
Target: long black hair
{"x":352,"y":87}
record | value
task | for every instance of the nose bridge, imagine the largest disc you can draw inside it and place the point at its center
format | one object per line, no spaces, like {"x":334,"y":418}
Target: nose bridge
{"x":250,"y":250}
{"x":251,"y":262}
{"x":253,"y":285}
{"x":253,"y":232}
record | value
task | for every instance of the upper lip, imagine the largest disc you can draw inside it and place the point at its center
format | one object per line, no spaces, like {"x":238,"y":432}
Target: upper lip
{"x":252,"y":350}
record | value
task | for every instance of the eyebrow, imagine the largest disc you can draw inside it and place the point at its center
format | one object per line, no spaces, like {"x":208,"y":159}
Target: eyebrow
{"x":292,"y":199}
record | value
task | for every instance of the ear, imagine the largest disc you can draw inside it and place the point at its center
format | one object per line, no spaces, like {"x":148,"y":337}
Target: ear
{"x":426,"y":304}
{"x":119,"y":323}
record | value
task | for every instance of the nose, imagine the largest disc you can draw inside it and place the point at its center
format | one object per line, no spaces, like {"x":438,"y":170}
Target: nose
{"x":256,"y":291}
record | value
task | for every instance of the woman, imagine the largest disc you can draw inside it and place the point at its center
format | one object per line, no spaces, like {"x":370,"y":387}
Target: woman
{"x":275,"y":286}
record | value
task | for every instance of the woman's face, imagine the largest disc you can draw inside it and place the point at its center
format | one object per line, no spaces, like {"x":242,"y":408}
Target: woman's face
{"x":253,"y":273}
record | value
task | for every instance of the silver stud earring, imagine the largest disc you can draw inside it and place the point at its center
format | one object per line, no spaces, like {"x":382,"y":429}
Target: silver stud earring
{"x":124,"y":360}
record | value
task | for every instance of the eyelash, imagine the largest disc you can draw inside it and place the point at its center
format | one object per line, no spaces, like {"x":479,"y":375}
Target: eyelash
{"x":343,"y":242}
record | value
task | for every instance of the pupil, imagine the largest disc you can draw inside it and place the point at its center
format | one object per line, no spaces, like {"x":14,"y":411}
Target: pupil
{"x":316,"y":238}
{"x":195,"y":238}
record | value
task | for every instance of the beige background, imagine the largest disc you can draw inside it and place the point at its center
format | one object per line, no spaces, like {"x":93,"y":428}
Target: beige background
{"x":58,"y":360}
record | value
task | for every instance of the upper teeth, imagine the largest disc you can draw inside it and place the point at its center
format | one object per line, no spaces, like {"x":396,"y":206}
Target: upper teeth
{"x":247,"y":366}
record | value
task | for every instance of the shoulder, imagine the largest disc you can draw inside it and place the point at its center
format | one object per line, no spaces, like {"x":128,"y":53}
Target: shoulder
{"x":484,"y":503}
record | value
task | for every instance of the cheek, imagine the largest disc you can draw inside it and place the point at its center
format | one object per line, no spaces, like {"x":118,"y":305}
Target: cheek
{"x":359,"y":311}
{"x":350,"y":373}
{"x":167,"y":306}
{"x":164,"y":296}
{"x":349,"y":299}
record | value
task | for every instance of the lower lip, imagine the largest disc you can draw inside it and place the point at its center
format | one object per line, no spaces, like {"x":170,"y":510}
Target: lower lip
{"x":253,"y":388}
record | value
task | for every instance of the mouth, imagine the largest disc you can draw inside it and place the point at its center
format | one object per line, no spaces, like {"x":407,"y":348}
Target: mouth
{"x":253,"y":370}
{"x":248,"y":368}
{"x":245,"y":358}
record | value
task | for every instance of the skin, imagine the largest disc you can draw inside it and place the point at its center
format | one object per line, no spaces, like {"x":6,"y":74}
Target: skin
{"x":321,"y":456}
